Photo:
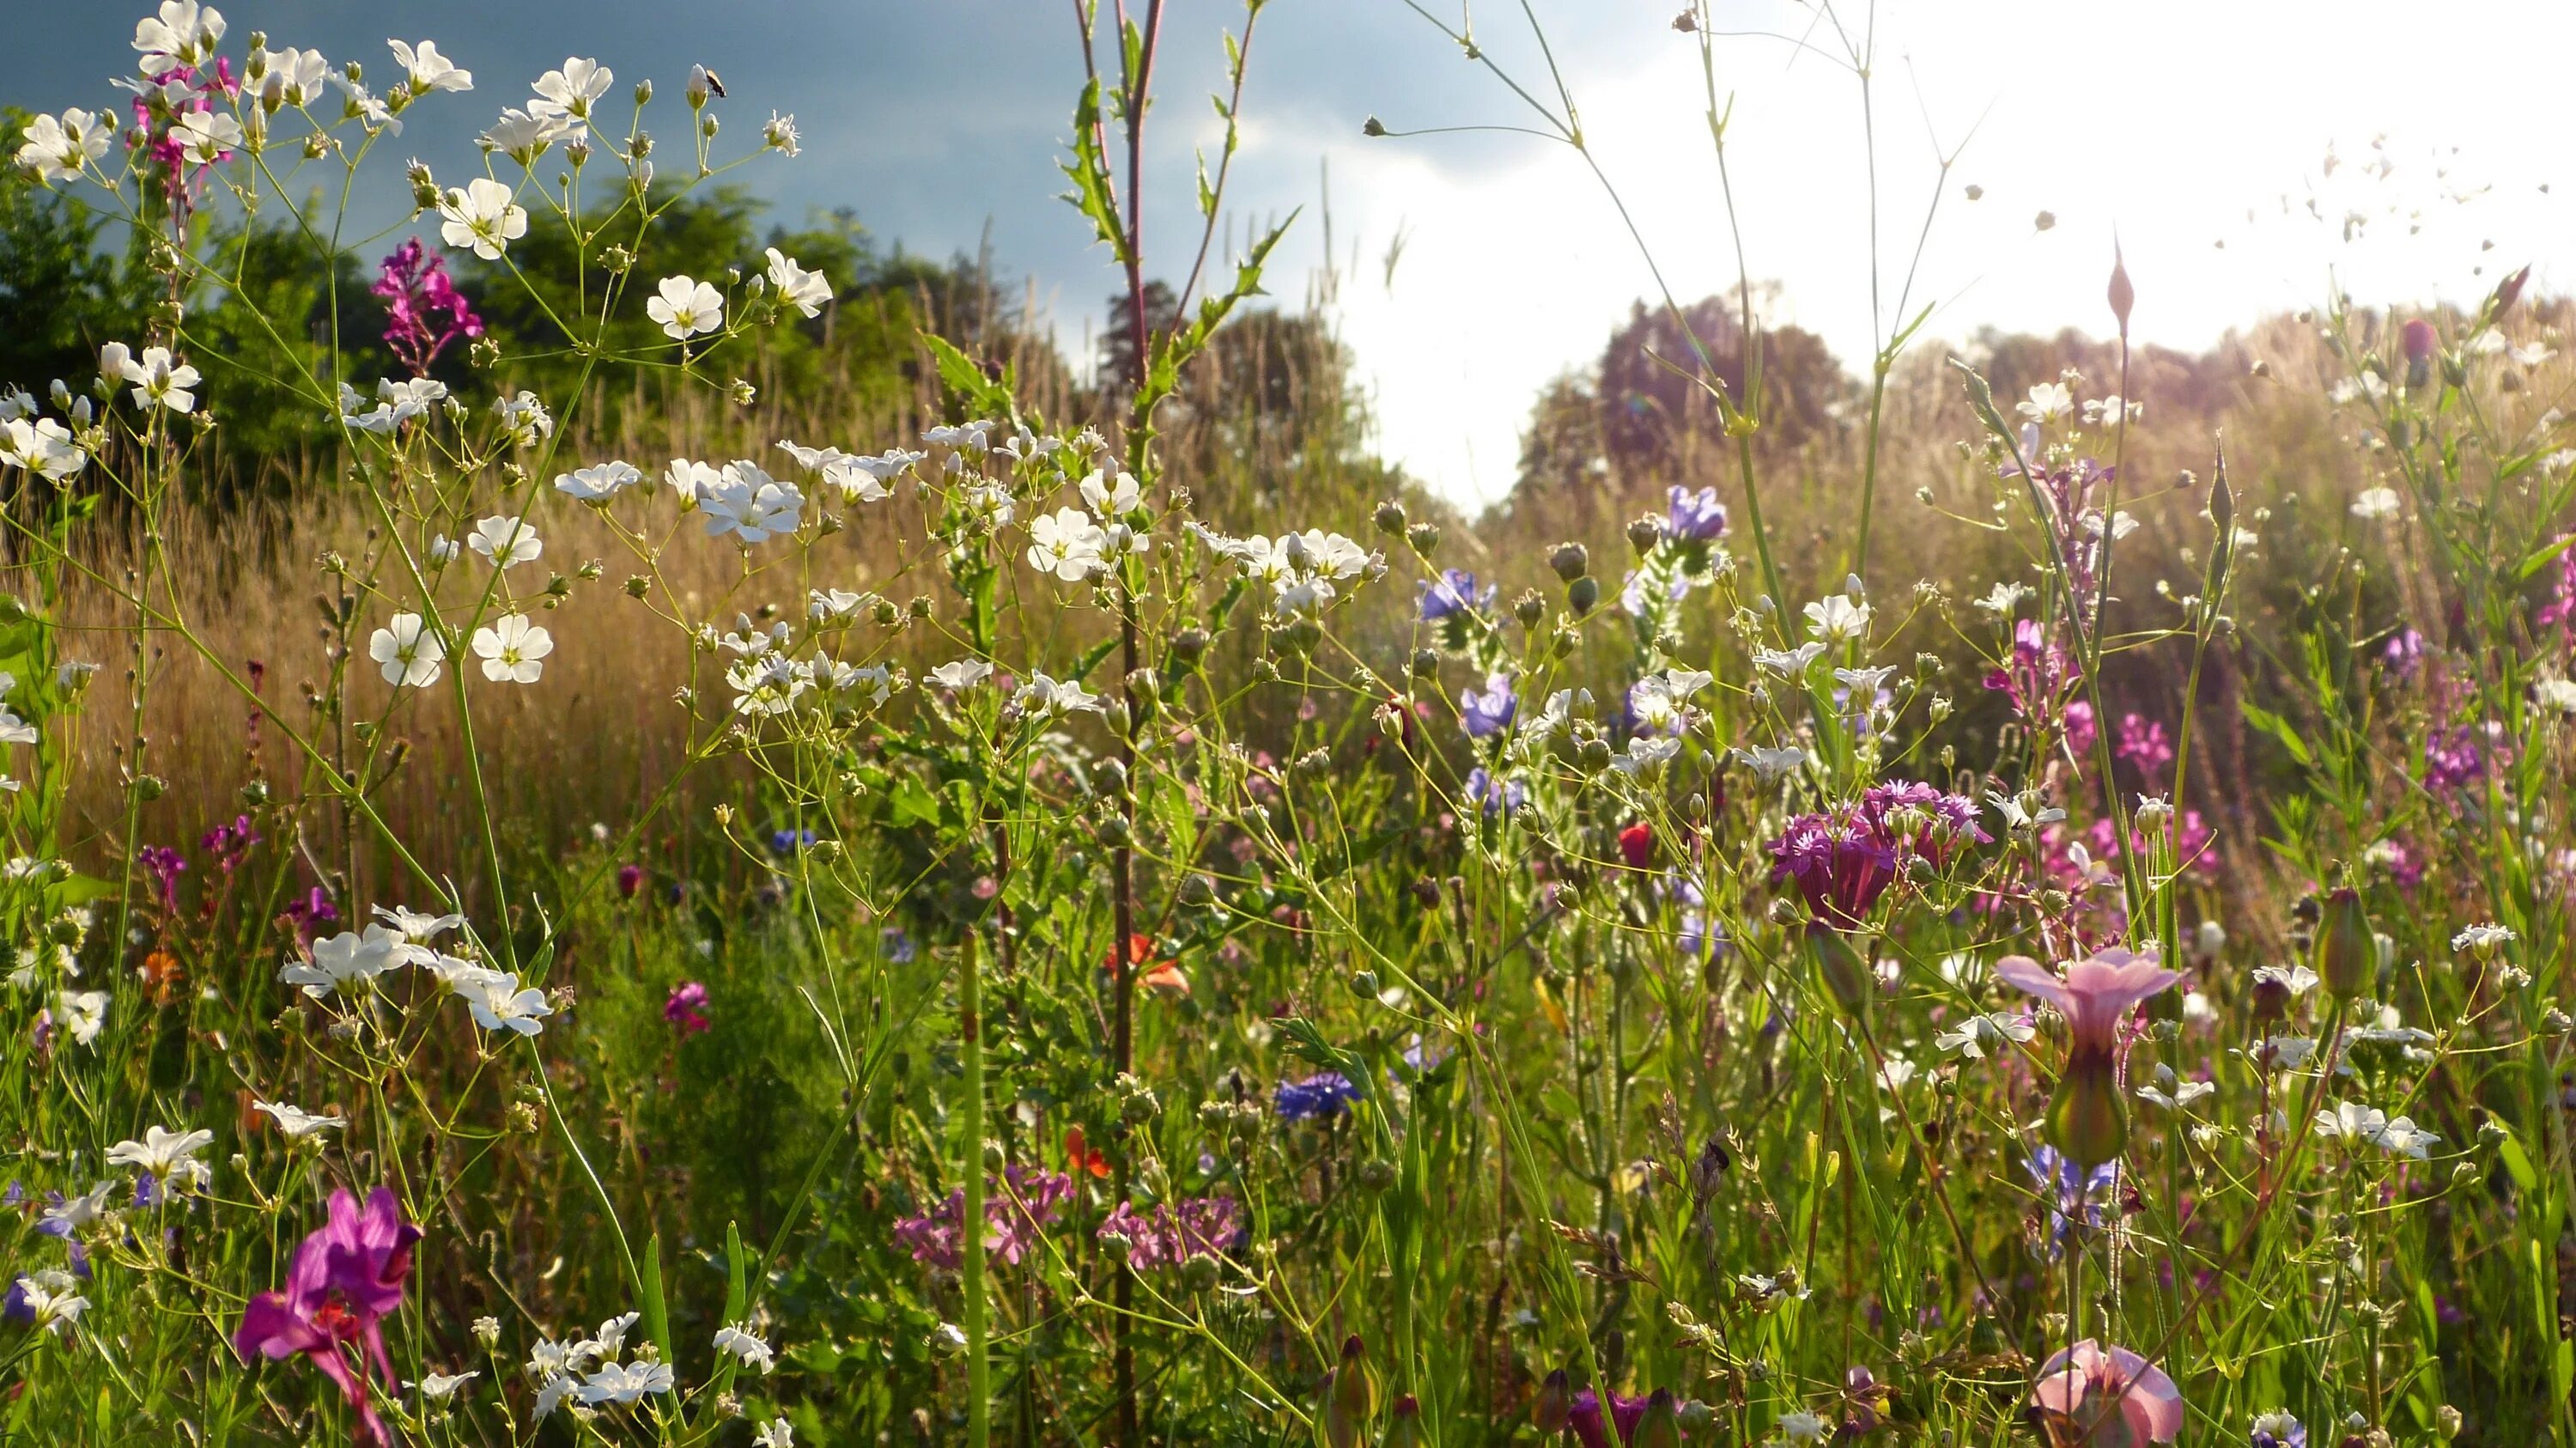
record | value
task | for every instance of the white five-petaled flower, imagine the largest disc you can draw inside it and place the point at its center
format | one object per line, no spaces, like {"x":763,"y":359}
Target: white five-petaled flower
{"x":296,"y":1122}
{"x":1065,"y":543}
{"x":2048,"y":401}
{"x":83,"y":1013}
{"x":523,"y":137}
{"x":512,"y":649}
{"x":182,"y":34}
{"x":52,"y":1302}
{"x":160,"y":380}
{"x":804,"y":290}
{"x":42,"y":446}
{"x":961,"y":674}
{"x":1052,"y":697}
{"x":570,"y":92}
{"x":290,"y":77}
{"x":1970,"y":1037}
{"x":439,"y":1387}
{"x":2555,"y":694}
{"x":750,"y":504}
{"x":60,"y":149}
{"x":599,"y":482}
{"x":2483,"y":940}
{"x":1802,"y":1427}
{"x":1789,"y":663}
{"x":205,"y":137}
{"x":780,"y":134}
{"x":778,"y":1434}
{"x":409,"y":651}
{"x":2361,"y":1125}
{"x":686,"y":307}
{"x":740,"y":1342}
{"x":1837,"y":619}
{"x":481,"y":215}
{"x":504,"y":541}
{"x":2376,"y":503}
{"x":427,"y":70}
{"x":499,"y":1003}
{"x":2171,"y":1092}
{"x":163,"y":1153}
{"x":626,"y":1382}
{"x":350,"y":958}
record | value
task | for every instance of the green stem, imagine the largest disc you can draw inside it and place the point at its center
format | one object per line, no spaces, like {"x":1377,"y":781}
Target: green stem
{"x":970,"y":1041}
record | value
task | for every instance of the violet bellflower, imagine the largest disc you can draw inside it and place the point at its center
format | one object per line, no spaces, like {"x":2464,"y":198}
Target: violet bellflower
{"x":1694,"y":517}
{"x":1453,"y":592}
{"x":1488,"y":711}
{"x":347,"y":1277}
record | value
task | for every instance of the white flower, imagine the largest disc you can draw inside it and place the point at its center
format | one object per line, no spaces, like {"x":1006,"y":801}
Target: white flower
{"x":1769,"y":765}
{"x":524,"y":417}
{"x":50,"y":1299}
{"x":290,"y":77}
{"x":1789,"y":663}
{"x":570,"y":92}
{"x":296,"y":1122}
{"x":750,"y":504}
{"x":42,"y":446}
{"x":439,"y":1387}
{"x":513,"y":650}
{"x":691,"y":480}
{"x":429,"y":70}
{"x":71,"y":1216}
{"x":60,"y":149}
{"x":778,"y":1434}
{"x":2376,"y":503}
{"x":160,"y":381}
{"x":2483,"y":940}
{"x":2555,"y":694}
{"x":2172,"y":1093}
{"x":1066,"y":543}
{"x":83,"y":1013}
{"x":1646,"y":755}
{"x":442,"y":551}
{"x":611,"y":1338}
{"x":626,"y":1382}
{"x":499,"y":1003}
{"x":366,"y":105}
{"x":780,"y":134}
{"x":743,"y":1344}
{"x":2280,"y":1427}
{"x":505,"y":541}
{"x":205,"y":137}
{"x":2530,"y":354}
{"x":408,"y":651}
{"x":162,"y":1152}
{"x":1051,"y":697}
{"x":350,"y":958}
{"x":1837,"y":620}
{"x":2402,"y":1136}
{"x":686,"y":307}
{"x":524,"y":137}
{"x":2003,"y":599}
{"x":183,"y":35}
{"x":554,"y":1393}
{"x":961,"y":674}
{"x":599,"y":482}
{"x":1112,"y":500}
{"x":1970,"y":1036}
{"x":2048,"y":401}
{"x":481,"y":215}
{"x":804,"y":290}
{"x":1802,"y":1427}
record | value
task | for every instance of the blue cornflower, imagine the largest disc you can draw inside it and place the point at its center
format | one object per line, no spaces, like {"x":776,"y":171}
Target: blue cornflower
{"x":1454,"y":591}
{"x":1490,"y":710}
{"x":1326,"y":1093}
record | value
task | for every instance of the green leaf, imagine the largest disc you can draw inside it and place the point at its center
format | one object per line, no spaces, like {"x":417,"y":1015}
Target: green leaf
{"x":737,"y":1276}
{"x":2282,"y":731}
{"x":657,"y":1313}
{"x":2518,"y":1163}
{"x":2546,"y":556}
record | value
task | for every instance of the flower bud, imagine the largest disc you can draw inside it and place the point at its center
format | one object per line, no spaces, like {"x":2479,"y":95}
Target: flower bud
{"x":1424,"y":537}
{"x":1661,"y":1427}
{"x":1554,"y":1406}
{"x":2087,"y":1120}
{"x":2346,"y":956}
{"x":1583,"y":594}
{"x":1839,"y":965}
{"x":2123,"y":294}
{"x":1529,"y":608}
{"x":1390,"y":518}
{"x":1350,"y":1397}
{"x":1570,"y":560}
{"x":2419,"y":343}
{"x":1645,"y":533}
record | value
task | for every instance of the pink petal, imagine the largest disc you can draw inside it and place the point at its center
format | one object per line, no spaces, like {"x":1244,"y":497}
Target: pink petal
{"x":2028,"y":975}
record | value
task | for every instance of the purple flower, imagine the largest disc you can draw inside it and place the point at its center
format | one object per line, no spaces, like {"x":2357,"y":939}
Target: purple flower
{"x":2405,"y":652}
{"x":788,"y":842}
{"x":1695,"y":517}
{"x":1840,"y":863}
{"x":2452,"y":759}
{"x":1625,"y":1412}
{"x":2278,"y":1430}
{"x":415,"y":288}
{"x":1326,"y":1093}
{"x":2142,"y":742}
{"x":630,"y":878}
{"x":686,"y":1008}
{"x":1018,"y":1208}
{"x":165,"y":865}
{"x":1490,"y":711}
{"x":2071,"y":1192}
{"x":230,"y":844}
{"x":1173,"y":1233}
{"x":1493,"y":794}
{"x":348,"y":1276}
{"x":1453,"y":592}
{"x":896,"y":945}
{"x":311,"y":914}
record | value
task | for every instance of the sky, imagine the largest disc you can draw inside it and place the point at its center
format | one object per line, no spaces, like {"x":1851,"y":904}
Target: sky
{"x":1472,"y":268}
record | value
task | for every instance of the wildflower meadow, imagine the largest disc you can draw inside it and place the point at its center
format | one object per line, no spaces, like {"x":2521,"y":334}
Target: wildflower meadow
{"x":622,"y":830}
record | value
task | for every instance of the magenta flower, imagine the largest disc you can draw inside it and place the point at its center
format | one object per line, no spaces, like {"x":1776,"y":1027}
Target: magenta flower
{"x":686,"y":1008}
{"x":1017,"y":1210}
{"x":1173,"y":1233}
{"x":348,"y":1275}
{"x":1587,"y":1426}
{"x":2109,"y":1396}
{"x":416,"y":288}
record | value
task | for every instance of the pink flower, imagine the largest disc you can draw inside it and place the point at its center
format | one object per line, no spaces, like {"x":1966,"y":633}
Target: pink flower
{"x":348,"y":1275}
{"x":686,"y":1008}
{"x":2097,"y":994}
{"x":2110,"y":1395}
